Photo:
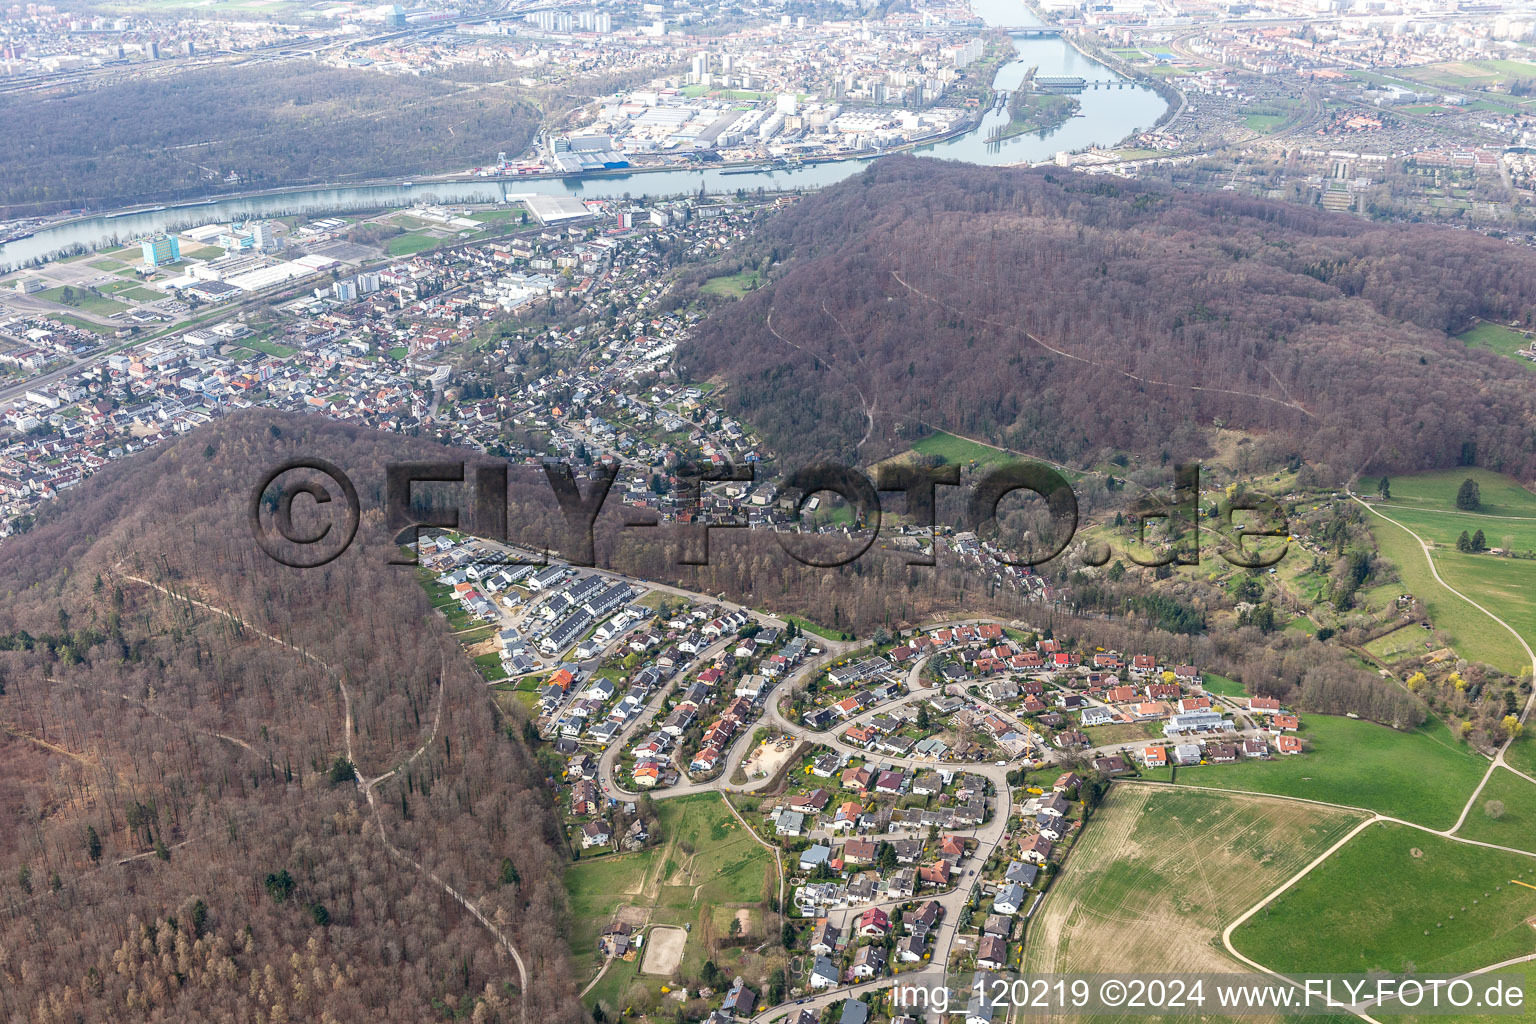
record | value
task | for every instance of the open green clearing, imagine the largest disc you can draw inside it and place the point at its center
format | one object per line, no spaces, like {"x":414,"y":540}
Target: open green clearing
{"x":807,"y":626}
{"x":1432,"y":496}
{"x":1265,"y":123}
{"x":1398,"y":899}
{"x":108,"y":265}
{"x":203,"y":252}
{"x":732,"y":286}
{"x":1423,"y":776}
{"x":1214,"y":683}
{"x":501,"y":214}
{"x":1467,"y":74}
{"x":1516,"y":826}
{"x":1405,"y":642}
{"x":1426,"y":505}
{"x":410,"y":244}
{"x":79,"y":298}
{"x":1506,"y":341}
{"x":270,"y":348}
{"x":83,"y":324}
{"x":1473,"y":634}
{"x":958,"y":450}
{"x":1159,"y":873}
{"x":705,"y":860}
{"x":1521,"y":754}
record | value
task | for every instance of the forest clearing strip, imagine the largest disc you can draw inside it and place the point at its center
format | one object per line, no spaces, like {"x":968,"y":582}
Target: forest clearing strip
{"x":1105,"y":366}
{"x":365,"y":784}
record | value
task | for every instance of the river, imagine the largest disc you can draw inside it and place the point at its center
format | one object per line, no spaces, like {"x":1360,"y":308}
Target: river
{"x":1109,"y":114}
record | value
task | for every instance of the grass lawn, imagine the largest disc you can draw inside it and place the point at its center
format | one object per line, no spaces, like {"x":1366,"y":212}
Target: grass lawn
{"x":1157,"y":874}
{"x":1424,"y":776}
{"x":203,"y":252}
{"x":954,"y":449}
{"x":1522,"y":753}
{"x":1516,"y":825}
{"x":1506,"y":341}
{"x":1214,"y":683}
{"x":1124,"y":732}
{"x":1427,"y":502}
{"x":705,"y":861}
{"x":271,"y":348}
{"x":79,"y":298}
{"x":410,"y":244}
{"x":108,"y":265}
{"x":1265,"y":123}
{"x":807,"y":626}
{"x":732,"y":286}
{"x":1398,"y":899}
{"x":491,"y":667}
{"x":1504,"y":585}
{"x":399,"y":352}
{"x":1472,"y":633}
{"x":83,"y":324}
{"x":1406,"y":642}
{"x":140,"y":294}
{"x":509,"y":213}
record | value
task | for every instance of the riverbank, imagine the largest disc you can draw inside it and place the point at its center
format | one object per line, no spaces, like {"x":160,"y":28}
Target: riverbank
{"x":1105,"y":122}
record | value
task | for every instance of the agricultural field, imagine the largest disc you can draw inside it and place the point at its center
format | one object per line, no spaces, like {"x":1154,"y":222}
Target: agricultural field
{"x":1398,"y":899}
{"x":1159,"y":873}
{"x":1424,"y":776}
{"x":1511,"y":820}
{"x":706,"y":863}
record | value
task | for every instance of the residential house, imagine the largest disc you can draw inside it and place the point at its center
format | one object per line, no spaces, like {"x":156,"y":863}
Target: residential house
{"x":992,"y":953}
{"x":1009,"y":900}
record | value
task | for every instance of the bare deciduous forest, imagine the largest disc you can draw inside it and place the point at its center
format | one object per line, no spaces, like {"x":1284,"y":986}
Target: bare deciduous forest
{"x":184,"y":836}
{"x":1070,"y":316}
{"x":182,"y":135}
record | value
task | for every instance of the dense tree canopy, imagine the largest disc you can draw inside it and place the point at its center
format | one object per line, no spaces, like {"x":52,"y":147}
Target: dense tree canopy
{"x":1066,"y":316}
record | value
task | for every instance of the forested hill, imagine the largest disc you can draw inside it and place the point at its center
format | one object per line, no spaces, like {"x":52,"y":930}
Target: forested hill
{"x":181,"y":837}
{"x":227,"y":129}
{"x":1068,"y":315}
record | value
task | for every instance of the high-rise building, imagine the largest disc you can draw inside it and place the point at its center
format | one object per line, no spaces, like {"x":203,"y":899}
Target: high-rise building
{"x":346,"y":290}
{"x":393,"y":15}
{"x":161,"y":250}
{"x":265,"y":235}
